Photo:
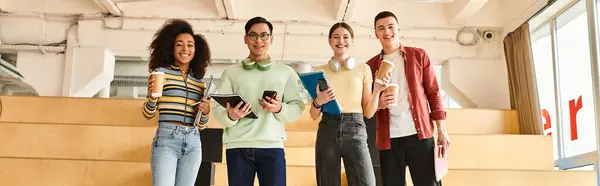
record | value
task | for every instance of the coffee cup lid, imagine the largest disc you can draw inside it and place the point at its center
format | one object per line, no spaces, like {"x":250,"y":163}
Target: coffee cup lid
{"x":393,"y":85}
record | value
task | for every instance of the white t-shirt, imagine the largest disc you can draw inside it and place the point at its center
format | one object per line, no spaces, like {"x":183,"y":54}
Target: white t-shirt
{"x":401,"y":120}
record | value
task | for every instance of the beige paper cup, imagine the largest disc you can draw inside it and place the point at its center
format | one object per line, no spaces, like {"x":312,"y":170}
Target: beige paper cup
{"x":385,"y":67}
{"x":159,"y":82}
{"x":394,"y":88}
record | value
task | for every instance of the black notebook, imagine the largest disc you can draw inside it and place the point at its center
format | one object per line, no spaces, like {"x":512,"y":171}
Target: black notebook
{"x":233,"y":100}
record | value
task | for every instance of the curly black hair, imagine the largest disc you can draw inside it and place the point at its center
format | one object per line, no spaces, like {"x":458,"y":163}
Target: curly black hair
{"x":201,"y":61}
{"x":162,"y":48}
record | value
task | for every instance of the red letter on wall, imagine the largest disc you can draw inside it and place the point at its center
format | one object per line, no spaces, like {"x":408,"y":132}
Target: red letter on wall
{"x":573,"y":109}
{"x":548,"y":123}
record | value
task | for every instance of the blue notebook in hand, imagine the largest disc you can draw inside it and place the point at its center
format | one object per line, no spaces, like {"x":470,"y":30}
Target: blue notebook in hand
{"x":310,"y":81}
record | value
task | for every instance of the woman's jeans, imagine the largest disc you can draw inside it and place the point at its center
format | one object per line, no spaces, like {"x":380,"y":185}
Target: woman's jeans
{"x":343,"y":136}
{"x":176,"y":155}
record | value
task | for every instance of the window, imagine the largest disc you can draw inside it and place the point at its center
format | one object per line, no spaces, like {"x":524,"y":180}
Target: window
{"x":587,"y":167}
{"x":561,"y":54}
{"x":575,"y":80}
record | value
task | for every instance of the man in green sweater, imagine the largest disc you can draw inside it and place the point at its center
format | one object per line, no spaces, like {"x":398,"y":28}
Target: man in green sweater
{"x":255,"y":146}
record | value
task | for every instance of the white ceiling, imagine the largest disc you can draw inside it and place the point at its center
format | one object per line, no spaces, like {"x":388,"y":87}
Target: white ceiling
{"x":125,"y":26}
{"x":410,"y":12}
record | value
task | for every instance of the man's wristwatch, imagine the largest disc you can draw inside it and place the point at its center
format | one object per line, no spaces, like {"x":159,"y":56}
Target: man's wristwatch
{"x":316,"y":106}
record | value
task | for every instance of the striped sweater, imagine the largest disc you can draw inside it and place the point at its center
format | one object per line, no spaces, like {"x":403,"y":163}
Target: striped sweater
{"x":177,"y":98}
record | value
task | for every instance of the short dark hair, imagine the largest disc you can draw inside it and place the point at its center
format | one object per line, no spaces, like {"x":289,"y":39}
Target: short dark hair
{"x":342,"y":25}
{"x":384,"y":14}
{"x":258,"y":20}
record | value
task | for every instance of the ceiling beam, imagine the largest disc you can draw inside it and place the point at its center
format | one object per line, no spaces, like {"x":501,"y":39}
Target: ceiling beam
{"x":340,"y":9}
{"x":129,"y":1}
{"x":349,"y":10}
{"x":344,"y":9}
{"x":226,"y":9}
{"x":3,"y":6}
{"x":460,"y":11}
{"x":426,"y":1}
{"x":109,"y":6}
{"x":221,"y":8}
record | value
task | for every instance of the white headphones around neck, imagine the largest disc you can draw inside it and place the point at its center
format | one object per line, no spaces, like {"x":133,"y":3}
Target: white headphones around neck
{"x":348,"y":64}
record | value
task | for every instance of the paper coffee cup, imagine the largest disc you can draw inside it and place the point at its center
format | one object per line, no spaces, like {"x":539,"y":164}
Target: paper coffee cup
{"x":394,"y":88}
{"x":385,"y":67}
{"x":159,"y":82}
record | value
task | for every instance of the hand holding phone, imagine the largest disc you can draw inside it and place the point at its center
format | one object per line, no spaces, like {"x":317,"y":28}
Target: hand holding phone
{"x":324,"y":93}
{"x":270,"y":102}
{"x":270,"y":94}
{"x":322,"y":85}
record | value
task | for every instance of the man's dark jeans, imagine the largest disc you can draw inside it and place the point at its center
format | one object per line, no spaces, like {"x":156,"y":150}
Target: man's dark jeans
{"x":343,"y":136}
{"x":416,"y":154}
{"x":244,"y":163}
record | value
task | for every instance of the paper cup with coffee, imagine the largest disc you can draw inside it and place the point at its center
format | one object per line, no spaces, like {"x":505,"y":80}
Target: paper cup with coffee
{"x":393,"y":88}
{"x":385,"y":67}
{"x":159,"y":82}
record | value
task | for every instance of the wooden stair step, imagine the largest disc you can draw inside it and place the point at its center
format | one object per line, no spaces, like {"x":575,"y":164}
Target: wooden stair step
{"x":128,"y":112}
{"x":305,"y":175}
{"x":482,"y":121}
{"x":107,"y":143}
{"x":515,"y":152}
{"x":522,"y":152}
{"x":47,"y":172}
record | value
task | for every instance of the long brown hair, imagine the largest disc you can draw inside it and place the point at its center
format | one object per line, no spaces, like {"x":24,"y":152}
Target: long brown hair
{"x":343,"y":25}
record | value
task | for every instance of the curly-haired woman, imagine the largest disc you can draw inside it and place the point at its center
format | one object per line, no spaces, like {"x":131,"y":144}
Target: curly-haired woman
{"x":176,"y":147}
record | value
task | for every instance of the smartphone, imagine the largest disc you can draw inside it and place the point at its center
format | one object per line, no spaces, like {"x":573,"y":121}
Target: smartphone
{"x":322,"y":85}
{"x":269,"y":93}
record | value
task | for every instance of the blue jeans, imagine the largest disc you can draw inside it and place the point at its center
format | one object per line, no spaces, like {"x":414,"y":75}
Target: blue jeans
{"x":176,"y":155}
{"x":244,"y":163}
{"x":343,"y":136}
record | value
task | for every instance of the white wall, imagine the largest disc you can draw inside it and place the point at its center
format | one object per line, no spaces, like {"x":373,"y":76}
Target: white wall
{"x":485,"y":84}
{"x":44,"y":72}
{"x":300,"y":31}
{"x":94,"y":69}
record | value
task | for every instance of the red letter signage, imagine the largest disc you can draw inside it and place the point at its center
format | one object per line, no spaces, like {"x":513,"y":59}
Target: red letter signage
{"x":573,"y":108}
{"x":548,"y":123}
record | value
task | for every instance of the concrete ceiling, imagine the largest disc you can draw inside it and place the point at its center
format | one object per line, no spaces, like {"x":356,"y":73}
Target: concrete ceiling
{"x":410,"y":12}
{"x":125,"y":26}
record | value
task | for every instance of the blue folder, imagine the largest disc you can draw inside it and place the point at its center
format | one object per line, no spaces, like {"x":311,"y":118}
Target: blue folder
{"x":310,"y":80}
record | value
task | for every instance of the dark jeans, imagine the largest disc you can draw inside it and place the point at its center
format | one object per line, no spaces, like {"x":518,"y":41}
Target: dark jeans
{"x":408,"y":151}
{"x":244,"y":163}
{"x":343,"y":136}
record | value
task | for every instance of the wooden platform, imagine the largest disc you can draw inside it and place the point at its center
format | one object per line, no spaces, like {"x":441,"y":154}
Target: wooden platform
{"x":48,"y":172}
{"x":467,"y":152}
{"x":305,"y":175}
{"x":50,"y":141}
{"x":127,"y":112}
